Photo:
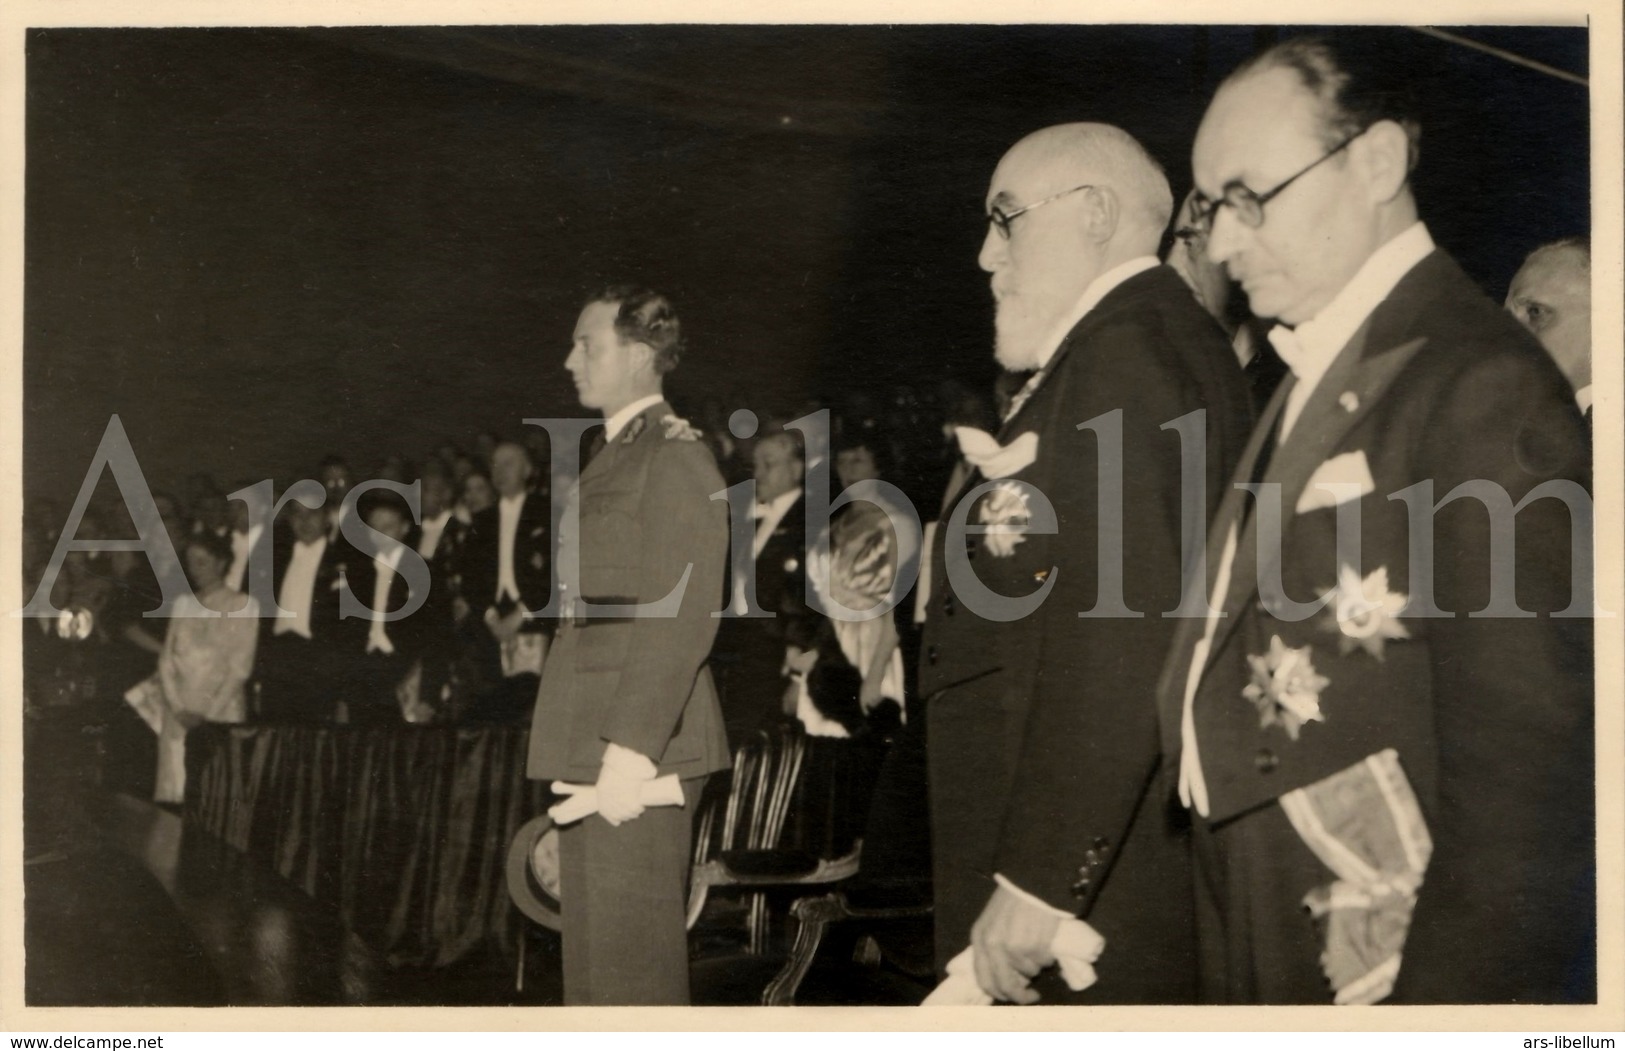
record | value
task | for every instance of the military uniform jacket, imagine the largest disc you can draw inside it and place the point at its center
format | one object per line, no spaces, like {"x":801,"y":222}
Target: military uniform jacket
{"x":1081,"y":690}
{"x":1491,"y":716}
{"x":647,"y":522}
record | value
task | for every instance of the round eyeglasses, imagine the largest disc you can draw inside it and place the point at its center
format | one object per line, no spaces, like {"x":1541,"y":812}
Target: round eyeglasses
{"x":1001,"y":219}
{"x":1247,"y":206}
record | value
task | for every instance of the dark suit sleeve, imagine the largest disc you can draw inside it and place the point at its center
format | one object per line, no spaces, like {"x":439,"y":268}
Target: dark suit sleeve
{"x":1091,"y":742}
{"x":1507,"y":909}
{"x":681,"y":526}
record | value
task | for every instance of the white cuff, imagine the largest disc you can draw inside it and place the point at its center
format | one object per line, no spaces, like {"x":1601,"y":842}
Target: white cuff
{"x":1031,"y":899}
{"x":627,"y":763}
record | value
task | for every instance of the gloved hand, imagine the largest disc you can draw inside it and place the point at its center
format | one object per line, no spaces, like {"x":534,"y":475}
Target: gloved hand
{"x":619,"y":781}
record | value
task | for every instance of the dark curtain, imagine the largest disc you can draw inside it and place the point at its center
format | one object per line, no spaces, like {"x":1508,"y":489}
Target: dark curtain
{"x":403,"y":830}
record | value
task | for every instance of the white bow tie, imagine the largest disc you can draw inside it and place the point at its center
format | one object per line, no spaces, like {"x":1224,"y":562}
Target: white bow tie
{"x":1289,"y":345}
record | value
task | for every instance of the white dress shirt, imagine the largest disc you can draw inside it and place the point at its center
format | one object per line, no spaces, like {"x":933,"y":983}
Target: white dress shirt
{"x":1315,"y":344}
{"x":1309,"y":350}
{"x":508,"y":508}
{"x":377,"y":638}
{"x":433,"y":529}
{"x":1582,"y":398}
{"x":298,"y":590}
{"x":615,"y":424}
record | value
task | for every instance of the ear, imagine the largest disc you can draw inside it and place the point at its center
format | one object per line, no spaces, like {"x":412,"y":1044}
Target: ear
{"x":1384,"y":154}
{"x":643,"y":357}
{"x":1102,"y":210}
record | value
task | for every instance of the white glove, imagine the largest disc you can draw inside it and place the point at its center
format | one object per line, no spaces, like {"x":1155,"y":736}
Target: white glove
{"x":582,"y":800}
{"x":620,"y":780}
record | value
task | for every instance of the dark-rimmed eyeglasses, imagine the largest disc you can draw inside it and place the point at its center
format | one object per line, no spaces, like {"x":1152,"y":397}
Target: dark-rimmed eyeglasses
{"x":1001,"y":219}
{"x":1248,"y":206}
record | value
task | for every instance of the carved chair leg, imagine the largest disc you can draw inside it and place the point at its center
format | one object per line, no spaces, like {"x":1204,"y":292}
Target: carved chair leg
{"x":812,"y":916}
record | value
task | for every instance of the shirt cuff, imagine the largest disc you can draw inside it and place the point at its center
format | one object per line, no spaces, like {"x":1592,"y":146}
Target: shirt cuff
{"x":1031,"y":899}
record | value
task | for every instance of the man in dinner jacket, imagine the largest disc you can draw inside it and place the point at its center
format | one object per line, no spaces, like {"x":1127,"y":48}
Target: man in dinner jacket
{"x":1407,"y":382}
{"x":1042,"y":722}
{"x":625,"y":695}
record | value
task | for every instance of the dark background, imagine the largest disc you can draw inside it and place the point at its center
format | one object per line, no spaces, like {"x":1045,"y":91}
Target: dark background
{"x":261,"y":245}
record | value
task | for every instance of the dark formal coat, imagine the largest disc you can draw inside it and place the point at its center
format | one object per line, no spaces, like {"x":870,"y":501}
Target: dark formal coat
{"x":750,"y":651}
{"x":532,"y":572}
{"x":1491,"y":717}
{"x":440,"y":635}
{"x":371,"y":679}
{"x":1043,"y":729}
{"x":297,"y":676}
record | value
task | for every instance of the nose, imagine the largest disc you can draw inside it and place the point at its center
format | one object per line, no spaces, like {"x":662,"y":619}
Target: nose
{"x":1224,"y":236}
{"x":995,"y":250}
{"x":572,"y":361}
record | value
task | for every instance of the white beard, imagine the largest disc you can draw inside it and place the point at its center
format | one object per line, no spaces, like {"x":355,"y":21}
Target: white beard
{"x":1018,"y":335}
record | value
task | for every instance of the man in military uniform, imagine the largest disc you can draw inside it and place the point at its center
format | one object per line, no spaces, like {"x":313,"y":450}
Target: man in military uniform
{"x":625,"y":695}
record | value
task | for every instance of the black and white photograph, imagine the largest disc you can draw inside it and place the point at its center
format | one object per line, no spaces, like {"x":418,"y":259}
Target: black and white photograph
{"x":1057,"y":508}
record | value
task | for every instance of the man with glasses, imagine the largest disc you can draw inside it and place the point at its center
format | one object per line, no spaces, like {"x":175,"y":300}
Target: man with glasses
{"x":1044,"y":639}
{"x":1359,"y":762}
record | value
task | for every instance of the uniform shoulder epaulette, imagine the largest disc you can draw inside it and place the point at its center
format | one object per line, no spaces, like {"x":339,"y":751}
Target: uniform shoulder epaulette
{"x":679,"y":429}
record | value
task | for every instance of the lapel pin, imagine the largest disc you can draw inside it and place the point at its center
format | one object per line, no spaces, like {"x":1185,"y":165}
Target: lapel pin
{"x":1349,"y":400}
{"x":1041,"y":576}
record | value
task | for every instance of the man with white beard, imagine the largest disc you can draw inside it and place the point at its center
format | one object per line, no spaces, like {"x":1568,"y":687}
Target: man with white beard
{"x":1044,"y":640}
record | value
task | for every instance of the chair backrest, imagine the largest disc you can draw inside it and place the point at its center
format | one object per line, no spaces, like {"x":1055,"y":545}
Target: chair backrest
{"x":760,"y":791}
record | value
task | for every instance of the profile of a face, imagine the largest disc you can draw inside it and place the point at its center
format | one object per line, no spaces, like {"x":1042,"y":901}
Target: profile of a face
{"x":1551,"y":295}
{"x":1188,"y":257}
{"x":1260,"y":131}
{"x":1041,"y":268}
{"x":601,"y":364}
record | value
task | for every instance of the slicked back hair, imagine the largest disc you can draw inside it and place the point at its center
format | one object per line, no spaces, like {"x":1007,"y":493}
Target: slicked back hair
{"x":647,"y":317}
{"x":1356,"y":81}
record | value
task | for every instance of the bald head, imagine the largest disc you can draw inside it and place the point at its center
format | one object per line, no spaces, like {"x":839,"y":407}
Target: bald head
{"x":1551,"y":295}
{"x":1112,"y":161}
{"x":1079,"y":200}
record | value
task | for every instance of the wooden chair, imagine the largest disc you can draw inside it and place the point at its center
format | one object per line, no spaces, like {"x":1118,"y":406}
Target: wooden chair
{"x":741,"y":853}
{"x":748,"y":853}
{"x":737,"y":845}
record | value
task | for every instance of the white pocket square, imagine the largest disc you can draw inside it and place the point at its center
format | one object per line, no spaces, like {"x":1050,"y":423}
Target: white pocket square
{"x":1337,"y":481}
{"x":995,"y":460}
